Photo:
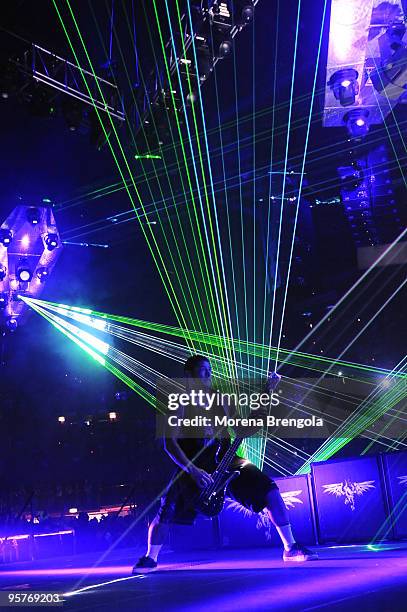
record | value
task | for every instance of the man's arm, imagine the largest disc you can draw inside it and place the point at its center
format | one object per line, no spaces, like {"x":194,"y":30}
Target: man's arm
{"x":173,"y":450}
{"x":271,"y":383}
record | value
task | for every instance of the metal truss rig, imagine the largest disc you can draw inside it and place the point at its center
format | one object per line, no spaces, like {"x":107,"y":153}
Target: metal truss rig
{"x":68,"y":78}
{"x":157,"y":90}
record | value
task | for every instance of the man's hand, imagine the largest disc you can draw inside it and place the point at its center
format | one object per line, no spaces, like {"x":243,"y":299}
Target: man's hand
{"x":201,"y":478}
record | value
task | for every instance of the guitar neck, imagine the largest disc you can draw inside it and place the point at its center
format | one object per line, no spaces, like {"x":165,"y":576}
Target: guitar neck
{"x":229,"y":455}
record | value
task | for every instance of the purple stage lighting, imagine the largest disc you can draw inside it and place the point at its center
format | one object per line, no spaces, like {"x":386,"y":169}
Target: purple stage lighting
{"x":23,"y":272}
{"x":42,"y":273}
{"x":3,"y":272}
{"x":12,"y":324}
{"x":51,"y":241}
{"x":356,"y":123}
{"x":33,"y":245}
{"x":345,"y":86}
{"x":25,"y":241}
{"x":33,"y":215}
{"x":6,"y":237}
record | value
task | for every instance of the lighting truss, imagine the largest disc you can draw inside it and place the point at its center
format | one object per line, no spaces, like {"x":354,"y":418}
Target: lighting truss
{"x":64,"y":76}
{"x":183,"y":59}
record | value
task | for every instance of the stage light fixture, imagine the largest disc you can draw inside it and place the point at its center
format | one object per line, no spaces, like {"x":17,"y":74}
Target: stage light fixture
{"x":51,"y":241}
{"x":12,"y":324}
{"x":3,"y":300}
{"x":33,"y":215}
{"x":61,"y":419}
{"x":243,"y":12}
{"x":3,"y":272}
{"x":6,"y":236}
{"x":345,"y":86}
{"x":221,"y":24}
{"x":356,"y":122}
{"x":23,"y":272}
{"x":222,"y":43}
{"x":25,"y":241}
{"x":112,"y":416}
{"x":42,"y":273}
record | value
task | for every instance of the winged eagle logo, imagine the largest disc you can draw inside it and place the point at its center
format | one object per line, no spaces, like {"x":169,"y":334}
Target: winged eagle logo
{"x":402,"y":479}
{"x":349,"y":490}
{"x":291,"y":498}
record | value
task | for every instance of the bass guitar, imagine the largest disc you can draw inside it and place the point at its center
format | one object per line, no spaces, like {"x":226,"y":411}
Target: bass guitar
{"x":211,"y":499}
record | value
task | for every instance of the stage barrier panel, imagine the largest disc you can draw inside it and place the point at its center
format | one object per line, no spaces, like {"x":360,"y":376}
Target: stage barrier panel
{"x":395,"y":472}
{"x":350,"y":501}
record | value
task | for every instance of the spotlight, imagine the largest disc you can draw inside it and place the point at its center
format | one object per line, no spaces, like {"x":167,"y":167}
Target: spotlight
{"x":23,"y":272}
{"x":25,"y":241}
{"x":222,"y":44}
{"x":356,"y":122}
{"x":345,"y":86}
{"x":42,"y":273}
{"x":33,"y":216}
{"x":221,"y":22}
{"x":6,"y":236}
{"x":12,"y":324}
{"x":3,"y":300}
{"x":61,"y":419}
{"x":51,"y":241}
{"x":112,"y":416}
{"x":243,"y":12}
{"x":3,"y":272}
{"x":73,"y":510}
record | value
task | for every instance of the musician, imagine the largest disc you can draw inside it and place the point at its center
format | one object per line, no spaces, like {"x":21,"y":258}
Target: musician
{"x":252,"y":488}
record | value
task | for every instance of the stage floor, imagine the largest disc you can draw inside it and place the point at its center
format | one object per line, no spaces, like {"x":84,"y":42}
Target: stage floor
{"x":345,"y":578}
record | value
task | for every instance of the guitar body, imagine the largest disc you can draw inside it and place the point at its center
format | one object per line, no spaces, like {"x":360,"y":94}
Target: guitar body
{"x":211,"y":500}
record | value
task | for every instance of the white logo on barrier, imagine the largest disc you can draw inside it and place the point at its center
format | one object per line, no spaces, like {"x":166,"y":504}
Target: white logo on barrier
{"x":291,"y":498}
{"x":349,"y":490}
{"x":402,"y":479}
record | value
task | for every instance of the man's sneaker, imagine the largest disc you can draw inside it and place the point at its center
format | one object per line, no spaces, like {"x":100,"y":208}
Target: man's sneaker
{"x":144,"y":564}
{"x":299,"y":554}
